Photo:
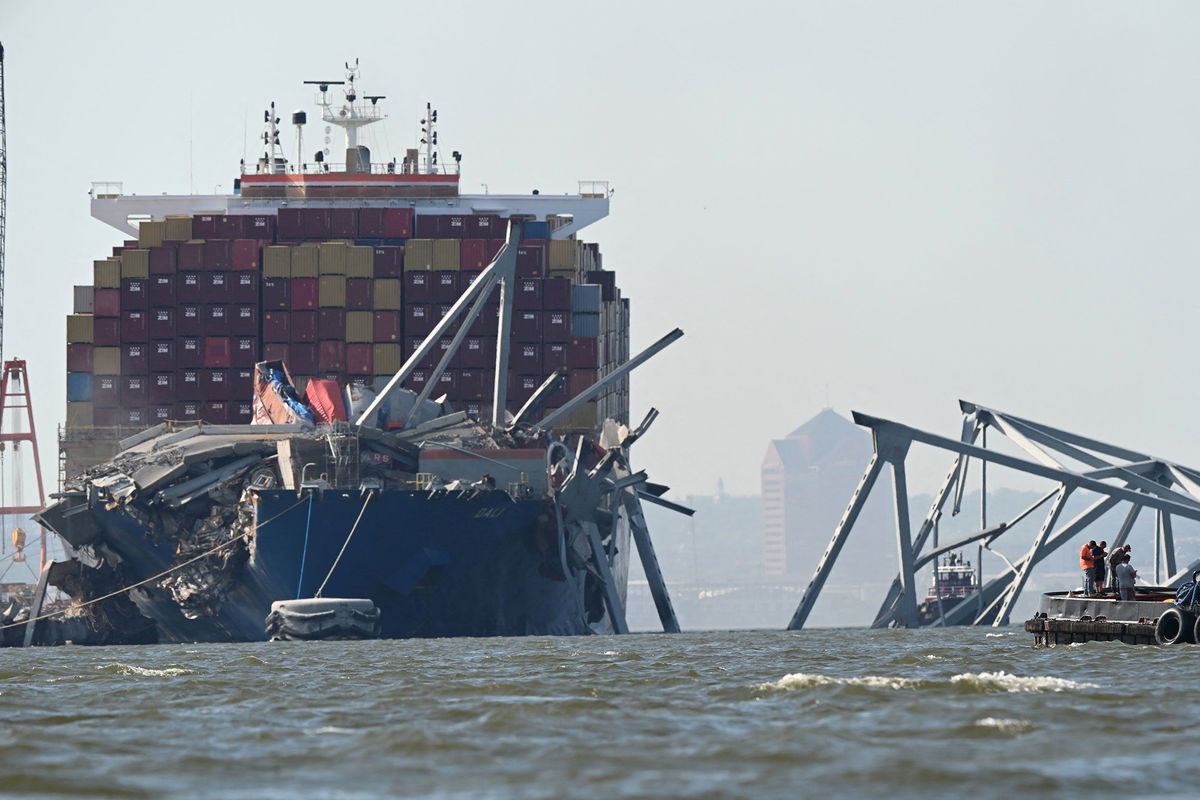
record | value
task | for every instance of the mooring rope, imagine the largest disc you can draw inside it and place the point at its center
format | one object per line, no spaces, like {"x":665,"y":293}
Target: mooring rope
{"x":152,"y":578}
{"x":345,"y":544}
{"x":304,"y":552}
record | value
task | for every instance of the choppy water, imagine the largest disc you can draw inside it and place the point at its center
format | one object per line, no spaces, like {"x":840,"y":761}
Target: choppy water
{"x":959,"y":713}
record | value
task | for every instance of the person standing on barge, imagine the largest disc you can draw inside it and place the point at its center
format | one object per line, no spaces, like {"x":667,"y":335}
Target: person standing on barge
{"x":1099,"y":559}
{"x":1086,"y":564}
{"x":1126,"y":575}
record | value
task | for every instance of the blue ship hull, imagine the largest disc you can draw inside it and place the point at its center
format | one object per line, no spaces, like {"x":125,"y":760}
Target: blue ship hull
{"x":471,"y":564}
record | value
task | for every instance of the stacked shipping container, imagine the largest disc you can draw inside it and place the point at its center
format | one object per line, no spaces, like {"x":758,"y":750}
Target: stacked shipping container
{"x":175,"y":321}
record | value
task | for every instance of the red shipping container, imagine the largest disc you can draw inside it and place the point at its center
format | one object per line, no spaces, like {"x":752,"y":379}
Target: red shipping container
{"x":417,"y":378}
{"x":305,"y":294}
{"x":524,"y":386}
{"x":443,"y":344}
{"x":343,"y":223}
{"x":528,"y":294}
{"x":214,"y":384}
{"x":187,"y":411}
{"x":324,"y":397}
{"x":189,"y":351}
{"x":161,"y":413}
{"x":426,"y":226}
{"x":440,"y":310}
{"x":243,"y":287}
{"x":331,"y":356}
{"x":108,"y":303}
{"x":556,"y":326}
{"x":243,"y":319}
{"x":206,"y":226}
{"x":133,"y":293}
{"x":162,"y":291}
{"x":555,"y":356}
{"x":467,"y":277}
{"x":358,"y":359}
{"x":134,"y":326}
{"x":191,"y":256}
{"x":276,"y":351}
{"x":491,"y":249}
{"x":331,"y":324}
{"x":527,"y":325}
{"x":370,"y":223}
{"x":164,"y":260}
{"x":580,"y":379}
{"x":260,"y":227}
{"x":245,"y":351}
{"x":445,"y":287}
{"x":469,"y":383}
{"x":218,"y":255}
{"x":477,"y":352}
{"x":389,"y":262}
{"x":162,"y":387}
{"x":231,"y":226}
{"x":216,"y":320}
{"x":246,"y":254}
{"x":214,"y":287}
{"x":289,"y":224}
{"x":418,"y":287}
{"x":359,"y":293}
{"x":162,"y":323}
{"x":162,"y":356}
{"x":106,"y":331}
{"x":303,"y":358}
{"x":106,"y":391}
{"x":397,"y":223}
{"x":79,"y":357}
{"x":216,"y":412}
{"x":241,"y":413}
{"x":488,"y":321}
{"x":135,"y":359}
{"x":187,"y":287}
{"x":556,"y":294}
{"x":304,"y":326}
{"x":414,"y":344}
{"x":314,"y":223}
{"x":188,"y":383}
{"x":447,"y":384}
{"x":584,"y":353}
{"x":526,"y":357}
{"x":418,"y":318}
{"x":276,"y":327}
{"x":531,"y":259}
{"x":188,"y":321}
{"x":387,"y":326}
{"x":134,"y":390}
{"x":276,"y":293}
{"x":486,"y":226}
{"x":470,"y":254}
{"x":452,"y":226}
{"x":218,"y":351}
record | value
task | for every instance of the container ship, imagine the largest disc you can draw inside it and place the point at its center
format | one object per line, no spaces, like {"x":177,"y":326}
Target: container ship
{"x":333,"y":290}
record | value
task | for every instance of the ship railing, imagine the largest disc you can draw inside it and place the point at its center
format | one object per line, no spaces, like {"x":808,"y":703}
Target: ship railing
{"x":329,"y":167}
{"x":594,"y":189}
{"x":107,"y":190}
{"x":425,"y":481}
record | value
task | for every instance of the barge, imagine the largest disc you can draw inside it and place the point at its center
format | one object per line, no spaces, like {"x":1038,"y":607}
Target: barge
{"x":1153,"y":617}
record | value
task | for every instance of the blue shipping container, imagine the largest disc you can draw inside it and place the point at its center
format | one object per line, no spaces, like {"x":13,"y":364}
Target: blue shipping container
{"x":393,"y":242}
{"x":79,"y":387}
{"x":536,"y":230}
{"x":368,"y":242}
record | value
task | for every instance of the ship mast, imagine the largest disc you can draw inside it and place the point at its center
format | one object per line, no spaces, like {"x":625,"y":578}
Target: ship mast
{"x":349,"y":115}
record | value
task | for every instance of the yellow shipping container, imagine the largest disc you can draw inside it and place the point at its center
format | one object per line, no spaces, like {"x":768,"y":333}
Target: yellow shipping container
{"x":418,"y":254}
{"x":106,"y":274}
{"x":331,"y":292}
{"x":79,"y":328}
{"x":135,"y":264}
{"x":386,"y":358}
{"x":569,"y":274}
{"x":564,"y":254}
{"x":580,"y":420}
{"x":332,"y":259}
{"x":178,"y":229}
{"x":445,"y":254}
{"x":150,"y":234}
{"x":80,"y":415}
{"x":106,"y":361}
{"x":387,"y":294}
{"x":277,"y":262}
{"x":305,"y":261}
{"x":360,"y":326}
{"x":360,"y":262}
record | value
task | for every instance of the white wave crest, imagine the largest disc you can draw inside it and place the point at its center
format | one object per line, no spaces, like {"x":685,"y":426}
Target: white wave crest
{"x":149,"y":672}
{"x":994,"y":635}
{"x":1007,"y":682}
{"x":328,"y":729}
{"x":804,"y":680}
{"x":1005,"y":725}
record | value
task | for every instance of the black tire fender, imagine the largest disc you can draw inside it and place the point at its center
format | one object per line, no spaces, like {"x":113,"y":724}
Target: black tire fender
{"x":1171,"y":627}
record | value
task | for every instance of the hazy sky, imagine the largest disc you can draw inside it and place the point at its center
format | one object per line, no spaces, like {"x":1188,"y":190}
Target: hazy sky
{"x":906,"y":203}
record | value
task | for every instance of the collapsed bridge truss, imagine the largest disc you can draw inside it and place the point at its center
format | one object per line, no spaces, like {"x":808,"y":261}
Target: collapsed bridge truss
{"x":1115,"y":475}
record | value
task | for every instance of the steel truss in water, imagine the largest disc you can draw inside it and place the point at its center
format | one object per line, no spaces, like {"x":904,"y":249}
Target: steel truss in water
{"x":1116,"y":475}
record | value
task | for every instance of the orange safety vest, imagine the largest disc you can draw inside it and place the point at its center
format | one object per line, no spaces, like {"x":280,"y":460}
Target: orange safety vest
{"x":1085,"y":557}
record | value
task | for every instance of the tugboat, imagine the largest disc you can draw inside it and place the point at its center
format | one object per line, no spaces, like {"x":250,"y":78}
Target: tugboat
{"x":953,"y":579}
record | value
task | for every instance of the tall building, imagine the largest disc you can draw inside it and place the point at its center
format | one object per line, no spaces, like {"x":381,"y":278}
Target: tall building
{"x":807,"y":479}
